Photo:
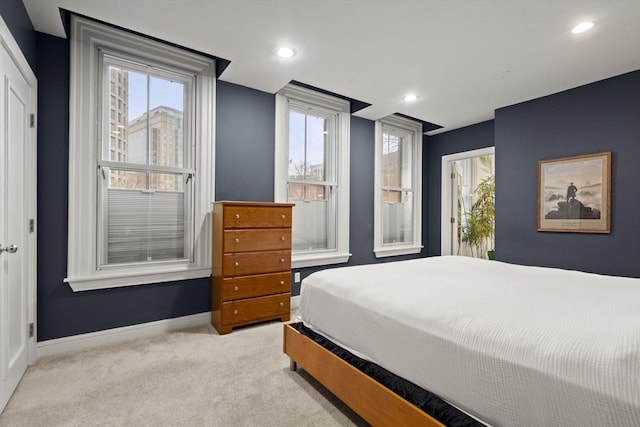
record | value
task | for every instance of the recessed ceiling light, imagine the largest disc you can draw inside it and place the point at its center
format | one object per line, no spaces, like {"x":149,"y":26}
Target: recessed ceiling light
{"x":286,"y":52}
{"x":410,"y":97}
{"x":582,"y":27}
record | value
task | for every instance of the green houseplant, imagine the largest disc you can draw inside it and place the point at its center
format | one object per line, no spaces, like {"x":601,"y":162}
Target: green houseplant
{"x":479,"y":230}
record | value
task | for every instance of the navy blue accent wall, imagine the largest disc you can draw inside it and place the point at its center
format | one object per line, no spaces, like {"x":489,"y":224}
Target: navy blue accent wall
{"x":15,"y":16}
{"x":245,"y":138}
{"x":464,"y":139}
{"x":61,"y":312}
{"x":602,"y":116}
{"x":361,"y":178}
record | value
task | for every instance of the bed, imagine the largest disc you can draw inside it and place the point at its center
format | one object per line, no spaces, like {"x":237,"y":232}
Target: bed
{"x":506,"y":344}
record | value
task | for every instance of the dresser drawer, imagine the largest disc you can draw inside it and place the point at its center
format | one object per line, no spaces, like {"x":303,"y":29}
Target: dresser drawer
{"x":257,"y":240}
{"x":256,"y":217}
{"x":255,"y":286}
{"x":242,"y":264}
{"x":256,"y":308}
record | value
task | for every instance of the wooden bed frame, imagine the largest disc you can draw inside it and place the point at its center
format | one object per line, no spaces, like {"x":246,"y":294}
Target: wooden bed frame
{"x":374,"y":402}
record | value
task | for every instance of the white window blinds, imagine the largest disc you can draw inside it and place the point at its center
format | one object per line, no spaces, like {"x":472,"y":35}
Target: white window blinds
{"x":145,"y":226}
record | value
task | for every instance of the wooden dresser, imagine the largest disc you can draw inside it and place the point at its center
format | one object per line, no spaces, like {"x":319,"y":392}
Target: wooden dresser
{"x":251,"y":263}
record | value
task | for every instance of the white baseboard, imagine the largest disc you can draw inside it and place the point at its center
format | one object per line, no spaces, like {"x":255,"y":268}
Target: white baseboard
{"x":115,"y":335}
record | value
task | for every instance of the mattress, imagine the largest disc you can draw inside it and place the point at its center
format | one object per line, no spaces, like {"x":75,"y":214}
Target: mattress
{"x":510,"y":345}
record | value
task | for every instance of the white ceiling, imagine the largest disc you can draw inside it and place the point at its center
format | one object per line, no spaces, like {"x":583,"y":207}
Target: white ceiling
{"x":463,"y":58}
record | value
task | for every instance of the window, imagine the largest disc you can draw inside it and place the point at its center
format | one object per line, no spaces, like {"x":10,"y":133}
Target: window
{"x":312,"y":171}
{"x":138,"y":209}
{"x":398,"y":201}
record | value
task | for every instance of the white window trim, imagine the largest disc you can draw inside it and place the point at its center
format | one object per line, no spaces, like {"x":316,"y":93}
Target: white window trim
{"x":291,"y":92}
{"x":86,"y":37}
{"x":415,"y":129}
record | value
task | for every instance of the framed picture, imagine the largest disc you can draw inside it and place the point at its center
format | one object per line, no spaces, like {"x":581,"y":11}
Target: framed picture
{"x":574,"y":194}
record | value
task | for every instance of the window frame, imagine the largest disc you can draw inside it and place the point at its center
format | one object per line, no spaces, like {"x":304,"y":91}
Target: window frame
{"x":87,"y":37}
{"x":413,"y":129}
{"x":301,"y":97}
{"x":106,"y":163}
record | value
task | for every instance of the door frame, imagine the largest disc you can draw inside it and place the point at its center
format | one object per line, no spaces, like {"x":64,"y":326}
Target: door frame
{"x":447,"y":189}
{"x":30,"y":183}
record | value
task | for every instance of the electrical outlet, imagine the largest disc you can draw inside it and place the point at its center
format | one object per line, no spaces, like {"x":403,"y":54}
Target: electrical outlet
{"x":296,"y":277}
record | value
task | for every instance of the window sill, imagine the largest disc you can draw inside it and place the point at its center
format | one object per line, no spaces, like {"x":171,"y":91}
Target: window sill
{"x":317,"y":259}
{"x":397,"y":250}
{"x":113,"y":279}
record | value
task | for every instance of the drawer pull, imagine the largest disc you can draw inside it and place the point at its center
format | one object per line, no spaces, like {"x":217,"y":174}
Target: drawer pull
{"x":281,"y":304}
{"x":237,"y":264}
{"x":282,"y":282}
{"x":235,"y":288}
{"x":284,"y":216}
{"x":235,"y":311}
{"x":237,"y":240}
{"x":237,"y":216}
{"x":281,"y":259}
{"x":282,"y":238}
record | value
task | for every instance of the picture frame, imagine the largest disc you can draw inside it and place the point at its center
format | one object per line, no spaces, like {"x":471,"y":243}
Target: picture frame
{"x":574,"y":194}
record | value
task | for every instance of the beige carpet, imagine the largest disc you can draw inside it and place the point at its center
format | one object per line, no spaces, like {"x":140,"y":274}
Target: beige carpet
{"x":189,"y":378}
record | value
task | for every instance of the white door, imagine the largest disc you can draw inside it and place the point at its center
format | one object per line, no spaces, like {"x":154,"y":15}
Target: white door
{"x":15,"y":110}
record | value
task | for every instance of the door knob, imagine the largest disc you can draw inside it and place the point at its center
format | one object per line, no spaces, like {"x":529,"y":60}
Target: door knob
{"x":12,"y":249}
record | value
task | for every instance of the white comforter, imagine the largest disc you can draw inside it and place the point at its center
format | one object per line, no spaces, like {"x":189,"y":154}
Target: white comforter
{"x":509,"y":344}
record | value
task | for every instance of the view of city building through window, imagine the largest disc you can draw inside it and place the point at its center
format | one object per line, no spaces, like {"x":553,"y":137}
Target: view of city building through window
{"x":149,"y":137}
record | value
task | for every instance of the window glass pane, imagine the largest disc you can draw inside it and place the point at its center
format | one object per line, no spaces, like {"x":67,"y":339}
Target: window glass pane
{"x":296,"y":191}
{"x":137,"y":118}
{"x":397,"y":218}
{"x":146,"y":118}
{"x":316,"y":137}
{"x":391,"y":161}
{"x":307,"y":192}
{"x":166,"y":109}
{"x":307,"y":144}
{"x":297,"y":142}
{"x":315,"y":192}
{"x":166,"y":181}
{"x":127,"y":179}
{"x":406,"y":150}
{"x":391,"y":196}
{"x":119,"y":88}
{"x":310,"y":225}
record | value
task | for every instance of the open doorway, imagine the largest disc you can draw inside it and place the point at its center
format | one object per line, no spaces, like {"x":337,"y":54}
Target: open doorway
{"x":468,"y":204}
